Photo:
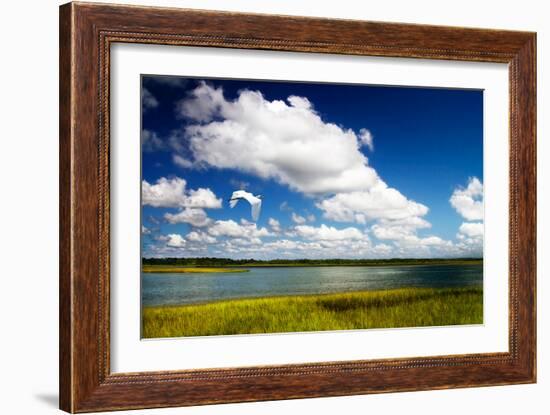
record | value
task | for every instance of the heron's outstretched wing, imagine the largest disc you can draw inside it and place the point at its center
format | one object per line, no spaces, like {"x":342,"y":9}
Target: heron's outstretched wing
{"x":237,"y":194}
{"x":256,"y":207}
{"x":255,"y":202}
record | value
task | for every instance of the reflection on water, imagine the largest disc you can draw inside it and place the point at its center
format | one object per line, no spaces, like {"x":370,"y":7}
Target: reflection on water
{"x":163,"y":289}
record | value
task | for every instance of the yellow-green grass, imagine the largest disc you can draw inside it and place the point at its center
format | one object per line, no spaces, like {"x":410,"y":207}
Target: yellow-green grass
{"x":407,"y":307}
{"x":187,"y":270}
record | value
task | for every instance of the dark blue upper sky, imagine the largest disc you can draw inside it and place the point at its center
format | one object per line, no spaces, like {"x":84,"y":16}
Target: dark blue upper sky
{"x":428,"y":142}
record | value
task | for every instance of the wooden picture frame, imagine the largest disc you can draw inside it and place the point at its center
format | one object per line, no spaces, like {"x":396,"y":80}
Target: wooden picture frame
{"x":86,"y":33}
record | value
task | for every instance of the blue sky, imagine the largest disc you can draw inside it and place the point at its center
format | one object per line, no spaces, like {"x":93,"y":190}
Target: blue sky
{"x":343,"y":170}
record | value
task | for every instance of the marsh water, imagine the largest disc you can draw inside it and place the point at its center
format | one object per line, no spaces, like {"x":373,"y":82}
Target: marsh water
{"x":169,"y":289}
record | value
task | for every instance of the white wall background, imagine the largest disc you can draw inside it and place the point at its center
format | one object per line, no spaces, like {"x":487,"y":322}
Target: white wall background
{"x":28,"y":208}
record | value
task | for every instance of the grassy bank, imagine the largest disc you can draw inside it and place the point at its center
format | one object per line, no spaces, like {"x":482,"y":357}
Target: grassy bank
{"x":410,"y":307}
{"x":187,"y":270}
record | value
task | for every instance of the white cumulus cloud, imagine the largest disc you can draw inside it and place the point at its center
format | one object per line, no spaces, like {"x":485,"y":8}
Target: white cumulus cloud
{"x":148,"y":100}
{"x":171,"y":193}
{"x":403,"y":234}
{"x":471,"y":229}
{"x":286,"y":141}
{"x":274,"y":224}
{"x":300,"y":220}
{"x":150,"y":141}
{"x":468,"y":202}
{"x":200,"y":237}
{"x":196,"y":217}
{"x":175,"y":241}
{"x":366,"y":138}
{"x":181,"y":161}
{"x":233,"y":229}
{"x":328,"y":233}
{"x":379,"y":202}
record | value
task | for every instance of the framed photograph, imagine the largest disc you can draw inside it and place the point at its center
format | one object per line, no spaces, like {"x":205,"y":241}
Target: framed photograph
{"x":258,"y":207}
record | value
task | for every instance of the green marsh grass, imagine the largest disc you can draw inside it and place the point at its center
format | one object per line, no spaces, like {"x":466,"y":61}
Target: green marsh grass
{"x":406,"y":307}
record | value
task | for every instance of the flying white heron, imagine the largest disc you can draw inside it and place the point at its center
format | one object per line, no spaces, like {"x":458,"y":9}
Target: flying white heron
{"x":254,"y":201}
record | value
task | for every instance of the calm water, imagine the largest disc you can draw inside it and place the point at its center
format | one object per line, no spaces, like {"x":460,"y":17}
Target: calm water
{"x":163,"y":289}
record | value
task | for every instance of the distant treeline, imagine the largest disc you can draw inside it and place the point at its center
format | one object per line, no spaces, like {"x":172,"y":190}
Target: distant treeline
{"x":220,"y":262}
